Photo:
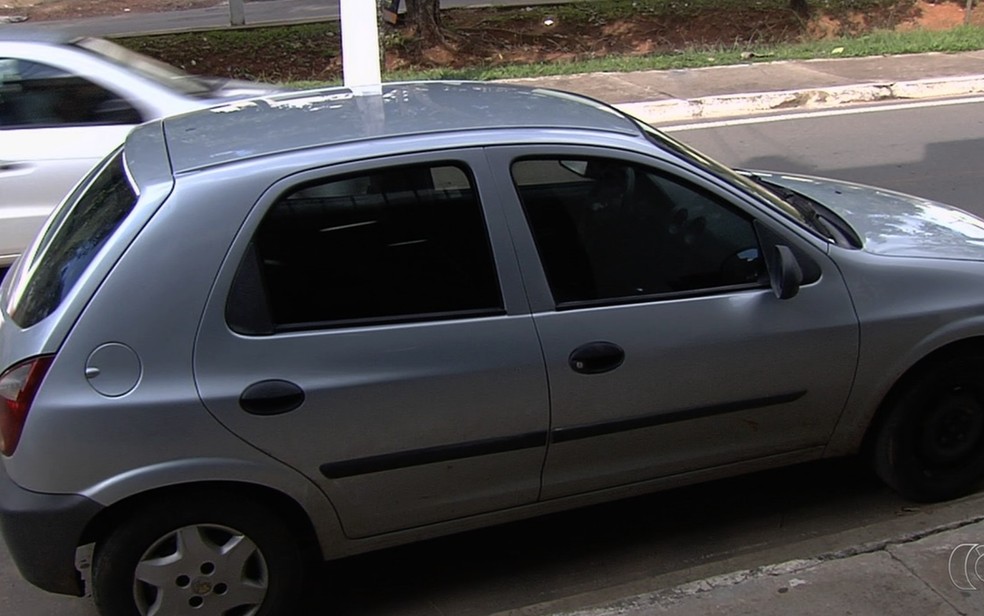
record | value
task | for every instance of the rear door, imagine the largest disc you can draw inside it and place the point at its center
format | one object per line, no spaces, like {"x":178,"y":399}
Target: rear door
{"x":666,"y":350}
{"x":371,"y":331}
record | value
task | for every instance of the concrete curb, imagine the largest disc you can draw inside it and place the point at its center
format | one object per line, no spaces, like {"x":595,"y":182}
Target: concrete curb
{"x":712,"y":107}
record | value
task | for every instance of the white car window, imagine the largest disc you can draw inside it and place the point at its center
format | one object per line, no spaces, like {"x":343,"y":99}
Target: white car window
{"x":147,"y":67}
{"x":36,"y":95}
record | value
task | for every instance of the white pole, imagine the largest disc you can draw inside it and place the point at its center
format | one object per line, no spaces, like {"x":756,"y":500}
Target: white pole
{"x":360,"y":47}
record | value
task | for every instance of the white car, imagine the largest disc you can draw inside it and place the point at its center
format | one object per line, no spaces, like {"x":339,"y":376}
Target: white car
{"x":67,"y":101}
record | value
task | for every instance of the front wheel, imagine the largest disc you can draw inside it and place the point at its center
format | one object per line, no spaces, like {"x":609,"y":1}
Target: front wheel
{"x":203,"y":556}
{"x":930,"y":445}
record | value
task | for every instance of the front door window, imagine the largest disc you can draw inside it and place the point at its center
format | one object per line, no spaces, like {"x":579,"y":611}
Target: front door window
{"x":609,"y":230}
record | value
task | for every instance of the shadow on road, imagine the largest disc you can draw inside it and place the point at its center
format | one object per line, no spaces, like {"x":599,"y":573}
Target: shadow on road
{"x":943,"y":174}
{"x":514,"y":565}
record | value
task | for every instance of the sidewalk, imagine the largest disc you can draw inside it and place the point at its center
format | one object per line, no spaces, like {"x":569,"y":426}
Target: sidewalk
{"x":661,"y":97}
{"x":907,"y":571}
{"x":908,"y":579}
{"x":937,"y":570}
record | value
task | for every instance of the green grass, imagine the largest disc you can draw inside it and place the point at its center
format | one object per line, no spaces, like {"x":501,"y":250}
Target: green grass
{"x":601,"y":10}
{"x":285,"y":44}
{"x":964,"y":38}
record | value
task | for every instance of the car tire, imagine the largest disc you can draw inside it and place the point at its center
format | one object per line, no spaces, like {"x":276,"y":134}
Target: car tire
{"x":209,"y":554}
{"x":930,"y":446}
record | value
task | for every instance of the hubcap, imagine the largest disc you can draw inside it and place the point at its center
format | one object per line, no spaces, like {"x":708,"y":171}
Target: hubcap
{"x":203,"y":570}
{"x":954,"y":429}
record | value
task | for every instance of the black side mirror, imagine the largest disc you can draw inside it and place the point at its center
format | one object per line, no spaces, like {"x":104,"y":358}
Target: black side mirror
{"x":785,"y":273}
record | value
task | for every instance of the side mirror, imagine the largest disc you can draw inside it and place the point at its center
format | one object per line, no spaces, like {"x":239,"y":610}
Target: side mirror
{"x":785,"y":273}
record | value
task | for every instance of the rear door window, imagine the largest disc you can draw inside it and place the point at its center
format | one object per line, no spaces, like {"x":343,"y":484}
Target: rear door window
{"x":391,"y":245}
{"x":70,"y":242}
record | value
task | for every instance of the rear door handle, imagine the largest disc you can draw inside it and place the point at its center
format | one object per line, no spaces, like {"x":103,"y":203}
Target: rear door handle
{"x":596,"y":357}
{"x":271,"y":397}
{"x":9,"y":165}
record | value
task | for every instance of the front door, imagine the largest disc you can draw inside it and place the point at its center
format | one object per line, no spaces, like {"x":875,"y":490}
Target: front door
{"x":666,"y":350}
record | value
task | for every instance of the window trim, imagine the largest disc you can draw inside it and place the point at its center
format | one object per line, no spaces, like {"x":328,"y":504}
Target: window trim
{"x":73,"y":80}
{"x":409,"y":319}
{"x":653,"y":298}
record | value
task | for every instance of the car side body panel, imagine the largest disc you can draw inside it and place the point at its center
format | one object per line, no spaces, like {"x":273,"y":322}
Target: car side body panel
{"x":909,"y":309}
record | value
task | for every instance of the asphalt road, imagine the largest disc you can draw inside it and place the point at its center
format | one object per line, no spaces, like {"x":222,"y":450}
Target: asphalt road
{"x":927,"y":149}
{"x":718,"y":527}
{"x":257,"y":12}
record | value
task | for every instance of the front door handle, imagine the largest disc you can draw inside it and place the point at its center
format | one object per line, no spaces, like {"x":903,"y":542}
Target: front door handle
{"x":271,"y":397}
{"x":596,"y":357}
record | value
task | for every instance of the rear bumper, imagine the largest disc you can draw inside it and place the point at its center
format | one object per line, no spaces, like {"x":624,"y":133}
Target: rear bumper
{"x":42,"y":532}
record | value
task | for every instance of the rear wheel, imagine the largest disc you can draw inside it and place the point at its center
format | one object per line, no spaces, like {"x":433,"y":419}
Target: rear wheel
{"x":202,"y":556}
{"x":931,"y":444}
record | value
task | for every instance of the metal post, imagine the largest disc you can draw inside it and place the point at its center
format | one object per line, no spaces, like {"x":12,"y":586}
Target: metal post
{"x":360,"y":47}
{"x":237,"y":13}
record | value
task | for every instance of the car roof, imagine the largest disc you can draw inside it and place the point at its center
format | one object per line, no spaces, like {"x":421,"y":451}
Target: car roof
{"x":28,"y":34}
{"x":300,"y":120}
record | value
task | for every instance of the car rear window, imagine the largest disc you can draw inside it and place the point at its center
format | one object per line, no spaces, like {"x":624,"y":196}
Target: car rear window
{"x":70,"y":241}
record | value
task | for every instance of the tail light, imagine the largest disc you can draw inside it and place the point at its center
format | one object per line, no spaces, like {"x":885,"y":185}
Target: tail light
{"x":18,"y":386}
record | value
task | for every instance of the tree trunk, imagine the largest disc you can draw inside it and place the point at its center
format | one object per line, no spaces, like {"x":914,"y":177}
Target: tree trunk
{"x":424,"y":16}
{"x":800,"y":7}
{"x":381,"y":23}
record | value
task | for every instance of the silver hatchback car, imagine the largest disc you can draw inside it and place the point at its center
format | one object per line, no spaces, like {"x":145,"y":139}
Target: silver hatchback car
{"x":318,"y":324}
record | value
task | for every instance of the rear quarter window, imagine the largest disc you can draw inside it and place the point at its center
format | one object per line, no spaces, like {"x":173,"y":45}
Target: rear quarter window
{"x":70,"y":241}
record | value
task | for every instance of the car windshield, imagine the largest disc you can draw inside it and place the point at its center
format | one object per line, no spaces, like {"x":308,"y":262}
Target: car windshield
{"x":155,"y":70}
{"x":69,"y":242}
{"x":729,"y":175}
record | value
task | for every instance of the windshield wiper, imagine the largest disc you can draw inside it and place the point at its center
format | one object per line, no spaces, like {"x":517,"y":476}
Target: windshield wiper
{"x":801,"y":204}
{"x":817,"y":215}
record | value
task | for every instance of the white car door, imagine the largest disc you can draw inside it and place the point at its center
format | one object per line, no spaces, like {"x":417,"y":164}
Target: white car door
{"x":54,"y":126}
{"x":38,"y":167}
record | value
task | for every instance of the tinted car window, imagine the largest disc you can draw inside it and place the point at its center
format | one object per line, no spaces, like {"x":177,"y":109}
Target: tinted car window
{"x":607,"y":229}
{"x":35,"y":95}
{"x":395,"y":244}
{"x":71,"y":240}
